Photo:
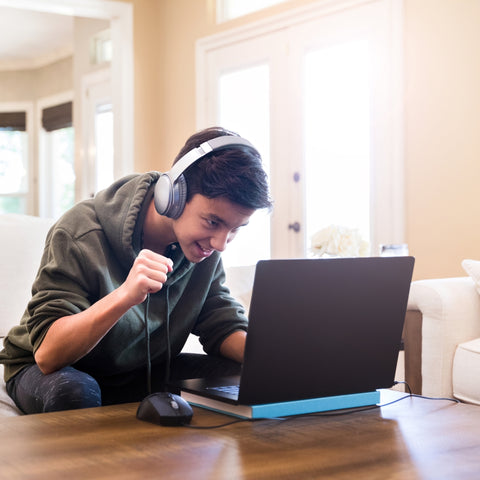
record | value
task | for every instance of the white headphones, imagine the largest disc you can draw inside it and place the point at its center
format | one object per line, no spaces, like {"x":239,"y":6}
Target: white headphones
{"x":170,"y":193}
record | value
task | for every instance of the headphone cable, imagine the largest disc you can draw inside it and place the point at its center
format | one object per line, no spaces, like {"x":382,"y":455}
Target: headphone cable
{"x":169,"y":347}
{"x":147,"y":343}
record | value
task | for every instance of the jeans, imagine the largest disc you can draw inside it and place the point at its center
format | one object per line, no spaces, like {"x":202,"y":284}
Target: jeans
{"x":69,"y":388}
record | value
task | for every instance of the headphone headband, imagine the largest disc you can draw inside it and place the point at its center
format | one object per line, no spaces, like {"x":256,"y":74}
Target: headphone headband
{"x":204,"y":149}
{"x":171,"y":189}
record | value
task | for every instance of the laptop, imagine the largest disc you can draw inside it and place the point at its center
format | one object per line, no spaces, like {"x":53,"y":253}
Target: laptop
{"x":317,"y":328}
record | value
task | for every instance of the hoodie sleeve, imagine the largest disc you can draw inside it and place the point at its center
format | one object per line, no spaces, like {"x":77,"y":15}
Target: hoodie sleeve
{"x":61,"y":287}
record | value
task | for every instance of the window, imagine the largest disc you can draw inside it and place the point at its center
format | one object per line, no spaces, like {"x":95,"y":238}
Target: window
{"x":57,"y":174}
{"x":98,"y":164}
{"x":59,"y":187}
{"x":229,"y":9}
{"x":15,"y":170}
{"x":101,"y":48}
{"x":332,"y":130}
{"x":104,"y":145}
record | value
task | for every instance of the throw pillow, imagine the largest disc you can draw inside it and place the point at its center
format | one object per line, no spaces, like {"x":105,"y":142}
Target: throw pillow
{"x":472,"y":267}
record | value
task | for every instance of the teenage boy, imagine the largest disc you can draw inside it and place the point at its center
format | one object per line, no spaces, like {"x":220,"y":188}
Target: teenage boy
{"x":126,"y":277}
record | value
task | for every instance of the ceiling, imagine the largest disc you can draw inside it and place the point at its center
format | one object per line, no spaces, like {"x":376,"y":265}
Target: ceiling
{"x":33,"y":39}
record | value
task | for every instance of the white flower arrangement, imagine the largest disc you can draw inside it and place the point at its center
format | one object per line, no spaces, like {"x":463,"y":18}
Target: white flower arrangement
{"x":339,"y":241}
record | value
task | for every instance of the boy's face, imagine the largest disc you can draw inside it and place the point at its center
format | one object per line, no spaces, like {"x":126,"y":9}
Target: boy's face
{"x":207,"y":225}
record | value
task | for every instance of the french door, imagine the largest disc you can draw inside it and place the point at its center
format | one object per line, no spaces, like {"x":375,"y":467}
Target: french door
{"x":318,"y":93}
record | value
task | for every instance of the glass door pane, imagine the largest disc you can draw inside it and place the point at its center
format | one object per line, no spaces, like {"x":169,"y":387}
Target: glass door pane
{"x":229,"y":9}
{"x":98,"y":135}
{"x":337,"y":137}
{"x":104,"y":145}
{"x":244,"y":107}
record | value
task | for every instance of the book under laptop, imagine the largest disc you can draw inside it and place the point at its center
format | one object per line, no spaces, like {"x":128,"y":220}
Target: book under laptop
{"x":324,"y":334}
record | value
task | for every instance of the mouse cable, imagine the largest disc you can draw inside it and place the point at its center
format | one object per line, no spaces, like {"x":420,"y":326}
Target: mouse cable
{"x":326,"y":414}
{"x":403,"y":383}
{"x":374,"y":407}
{"x":212,"y":427}
{"x":449,"y":399}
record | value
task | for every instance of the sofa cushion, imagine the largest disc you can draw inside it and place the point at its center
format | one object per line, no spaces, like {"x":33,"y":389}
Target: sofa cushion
{"x":21,"y":247}
{"x":240,"y":282}
{"x":7,"y":406}
{"x":466,"y":372}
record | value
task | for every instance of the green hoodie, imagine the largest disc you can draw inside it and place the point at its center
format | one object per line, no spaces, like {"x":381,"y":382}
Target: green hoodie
{"x":88,"y":254}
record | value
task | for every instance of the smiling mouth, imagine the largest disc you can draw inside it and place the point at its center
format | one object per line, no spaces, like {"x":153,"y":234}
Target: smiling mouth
{"x":205,"y":251}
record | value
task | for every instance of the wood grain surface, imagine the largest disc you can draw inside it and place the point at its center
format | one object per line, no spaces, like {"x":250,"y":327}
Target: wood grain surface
{"x":414,"y":438}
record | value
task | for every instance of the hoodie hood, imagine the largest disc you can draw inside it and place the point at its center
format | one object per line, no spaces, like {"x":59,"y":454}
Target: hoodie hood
{"x":121,"y":210}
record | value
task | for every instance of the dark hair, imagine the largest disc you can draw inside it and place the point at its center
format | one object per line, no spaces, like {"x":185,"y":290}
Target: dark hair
{"x":235,"y":173}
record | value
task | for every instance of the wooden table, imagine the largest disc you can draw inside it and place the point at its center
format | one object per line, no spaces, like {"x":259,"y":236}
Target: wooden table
{"x":414,"y":439}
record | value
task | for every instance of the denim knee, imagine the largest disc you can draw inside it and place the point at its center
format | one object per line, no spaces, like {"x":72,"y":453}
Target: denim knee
{"x":70,"y":390}
{"x":66,"y":389}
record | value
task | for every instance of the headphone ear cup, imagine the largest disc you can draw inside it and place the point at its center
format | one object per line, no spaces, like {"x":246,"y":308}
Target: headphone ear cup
{"x":163,"y":194}
{"x":179,"y":198}
{"x":170,"y":199}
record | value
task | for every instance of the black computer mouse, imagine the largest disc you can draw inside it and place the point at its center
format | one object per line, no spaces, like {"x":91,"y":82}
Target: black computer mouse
{"x":165,"y":408}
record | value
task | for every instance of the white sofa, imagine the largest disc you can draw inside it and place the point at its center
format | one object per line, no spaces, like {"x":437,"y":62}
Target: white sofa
{"x":444,"y":338}
{"x":21,"y":246}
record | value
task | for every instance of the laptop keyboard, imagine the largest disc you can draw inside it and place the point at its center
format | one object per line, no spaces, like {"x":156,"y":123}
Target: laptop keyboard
{"x":228,"y":389}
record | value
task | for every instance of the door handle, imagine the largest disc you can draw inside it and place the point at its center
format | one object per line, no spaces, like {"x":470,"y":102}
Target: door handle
{"x":294,"y":226}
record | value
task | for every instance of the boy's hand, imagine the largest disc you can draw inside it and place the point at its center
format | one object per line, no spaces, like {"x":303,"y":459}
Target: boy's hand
{"x":147,"y":275}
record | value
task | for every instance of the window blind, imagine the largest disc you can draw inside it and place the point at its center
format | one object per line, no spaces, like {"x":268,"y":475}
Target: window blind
{"x":13,"y":121}
{"x":57,"y":117}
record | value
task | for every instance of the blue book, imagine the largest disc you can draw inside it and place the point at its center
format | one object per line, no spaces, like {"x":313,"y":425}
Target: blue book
{"x":284,"y":409}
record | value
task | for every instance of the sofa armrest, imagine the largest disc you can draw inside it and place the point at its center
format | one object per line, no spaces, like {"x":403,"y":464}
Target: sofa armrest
{"x":450,"y":314}
{"x":412,"y":346}
{"x":21,"y":246}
